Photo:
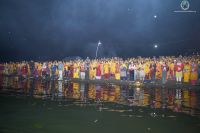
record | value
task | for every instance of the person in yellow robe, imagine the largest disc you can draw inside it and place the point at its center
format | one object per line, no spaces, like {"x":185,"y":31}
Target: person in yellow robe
{"x":186,"y":73}
{"x":92,"y":71}
{"x":147,"y":70}
{"x":76,"y":71}
{"x":117,"y":73}
{"x":113,"y":69}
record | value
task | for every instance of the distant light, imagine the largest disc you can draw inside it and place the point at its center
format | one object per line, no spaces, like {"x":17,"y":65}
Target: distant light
{"x":155,"y":16}
{"x":155,"y":46}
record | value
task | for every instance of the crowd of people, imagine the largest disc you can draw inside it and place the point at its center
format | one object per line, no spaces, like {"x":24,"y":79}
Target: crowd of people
{"x":181,"y":69}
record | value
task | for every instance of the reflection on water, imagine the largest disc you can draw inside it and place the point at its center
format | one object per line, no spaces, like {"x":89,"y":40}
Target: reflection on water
{"x":178,"y":100}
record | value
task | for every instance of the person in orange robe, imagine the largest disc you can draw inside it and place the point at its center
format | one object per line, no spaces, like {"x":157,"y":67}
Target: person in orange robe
{"x":158,"y":71}
{"x":171,"y":71}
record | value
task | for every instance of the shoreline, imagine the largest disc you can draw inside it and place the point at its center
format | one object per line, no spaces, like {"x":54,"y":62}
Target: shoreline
{"x":139,"y":84}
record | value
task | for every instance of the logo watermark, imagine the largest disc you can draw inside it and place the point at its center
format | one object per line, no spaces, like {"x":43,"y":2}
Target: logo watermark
{"x":185,"y":7}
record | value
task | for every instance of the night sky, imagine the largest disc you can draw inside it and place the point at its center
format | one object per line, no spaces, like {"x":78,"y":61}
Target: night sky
{"x":54,"y":29}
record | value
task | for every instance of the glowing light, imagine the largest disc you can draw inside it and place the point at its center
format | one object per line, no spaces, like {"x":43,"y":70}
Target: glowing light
{"x":155,"y":46}
{"x":155,"y":16}
{"x":137,"y":89}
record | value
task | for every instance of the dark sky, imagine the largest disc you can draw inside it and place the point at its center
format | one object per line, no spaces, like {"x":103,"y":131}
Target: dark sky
{"x":54,"y":29}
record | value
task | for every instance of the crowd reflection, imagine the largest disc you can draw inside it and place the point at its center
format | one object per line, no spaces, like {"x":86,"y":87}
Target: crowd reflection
{"x":179,"y":100}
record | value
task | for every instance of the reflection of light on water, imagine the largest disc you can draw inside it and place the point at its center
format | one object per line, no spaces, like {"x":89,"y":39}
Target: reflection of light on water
{"x":60,"y":88}
{"x":95,"y":121}
{"x":137,"y":83}
{"x":139,"y":96}
{"x":153,"y":114}
{"x":138,"y":89}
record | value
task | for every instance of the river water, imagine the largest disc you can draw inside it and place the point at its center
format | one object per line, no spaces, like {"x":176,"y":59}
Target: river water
{"x":74,"y":107}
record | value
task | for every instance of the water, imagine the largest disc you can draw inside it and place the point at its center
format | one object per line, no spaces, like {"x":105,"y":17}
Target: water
{"x":56,"y":106}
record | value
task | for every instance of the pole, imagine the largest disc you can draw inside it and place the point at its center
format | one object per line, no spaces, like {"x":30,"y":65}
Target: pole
{"x":99,"y":43}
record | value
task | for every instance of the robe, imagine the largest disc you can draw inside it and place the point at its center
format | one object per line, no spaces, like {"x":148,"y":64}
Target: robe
{"x":158,"y":71}
{"x":186,"y":73}
{"x":179,"y":69}
{"x":106,"y":71}
{"x":117,"y":73}
{"x":194,"y":74}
